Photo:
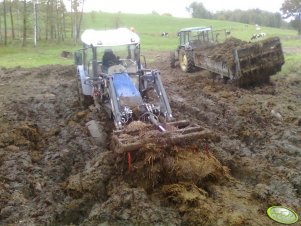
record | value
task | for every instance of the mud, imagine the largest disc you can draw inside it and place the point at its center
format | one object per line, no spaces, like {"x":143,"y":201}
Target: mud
{"x":53,"y":172}
{"x":224,"y":51}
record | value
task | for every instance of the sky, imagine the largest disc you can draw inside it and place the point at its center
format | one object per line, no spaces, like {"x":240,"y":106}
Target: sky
{"x":178,"y":7}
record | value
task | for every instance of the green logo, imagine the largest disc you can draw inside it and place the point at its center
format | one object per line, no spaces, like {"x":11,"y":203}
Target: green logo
{"x":282,"y":215}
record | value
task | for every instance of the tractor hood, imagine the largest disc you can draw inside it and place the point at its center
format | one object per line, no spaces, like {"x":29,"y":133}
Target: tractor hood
{"x":126,"y":90}
{"x":116,"y":37}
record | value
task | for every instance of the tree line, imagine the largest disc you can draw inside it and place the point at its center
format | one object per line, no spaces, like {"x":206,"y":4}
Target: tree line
{"x":290,"y":8}
{"x":36,"y":20}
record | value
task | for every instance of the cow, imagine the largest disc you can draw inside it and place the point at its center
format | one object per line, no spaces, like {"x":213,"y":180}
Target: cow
{"x":263,"y":34}
{"x":257,"y":36}
{"x":254,"y":36}
{"x":164,"y":34}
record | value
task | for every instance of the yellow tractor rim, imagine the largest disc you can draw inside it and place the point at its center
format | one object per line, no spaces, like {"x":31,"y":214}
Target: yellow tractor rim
{"x":184,"y":62}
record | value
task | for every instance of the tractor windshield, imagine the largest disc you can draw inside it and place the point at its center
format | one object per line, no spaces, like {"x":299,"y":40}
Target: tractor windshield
{"x":208,"y":36}
{"x":121,"y":52}
{"x":106,"y":56}
{"x":203,"y":35}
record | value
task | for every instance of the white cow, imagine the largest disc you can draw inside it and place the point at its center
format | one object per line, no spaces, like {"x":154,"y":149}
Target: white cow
{"x":164,"y":34}
{"x":257,"y":36}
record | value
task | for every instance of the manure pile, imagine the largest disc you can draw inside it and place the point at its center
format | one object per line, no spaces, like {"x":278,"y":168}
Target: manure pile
{"x":159,"y":161}
{"x":224,"y":51}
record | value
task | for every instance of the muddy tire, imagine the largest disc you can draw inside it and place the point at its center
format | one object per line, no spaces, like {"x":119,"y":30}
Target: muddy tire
{"x":172,"y":59}
{"x":84,"y":100}
{"x":186,"y":60}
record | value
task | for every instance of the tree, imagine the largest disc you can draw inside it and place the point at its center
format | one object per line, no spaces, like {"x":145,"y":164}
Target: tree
{"x":292,"y":9}
{"x":24,"y":19}
{"x":197,"y":10}
{"x":18,"y":6}
{"x":117,"y":20}
{"x":60,"y":18}
{"x":5,"y":24}
{"x":0,"y":28}
{"x":12,"y":20}
{"x":24,"y":23}
{"x":154,"y":12}
{"x":77,"y":8}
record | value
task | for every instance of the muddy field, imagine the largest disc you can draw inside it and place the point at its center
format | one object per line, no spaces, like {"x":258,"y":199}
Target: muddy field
{"x":53,"y":172}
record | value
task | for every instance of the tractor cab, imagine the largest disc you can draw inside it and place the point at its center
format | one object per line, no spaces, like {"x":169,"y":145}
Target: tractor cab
{"x":104,"y":49}
{"x":195,"y":37}
{"x":108,"y":52}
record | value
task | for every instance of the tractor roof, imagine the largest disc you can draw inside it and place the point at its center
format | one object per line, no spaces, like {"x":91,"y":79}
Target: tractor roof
{"x":196,"y":29}
{"x":116,"y":37}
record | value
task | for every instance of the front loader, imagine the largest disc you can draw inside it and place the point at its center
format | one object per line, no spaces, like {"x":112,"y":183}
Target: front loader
{"x":111,"y":74}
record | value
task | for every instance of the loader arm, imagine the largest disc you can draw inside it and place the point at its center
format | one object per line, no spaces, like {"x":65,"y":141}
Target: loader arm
{"x":114,"y":104}
{"x":150,"y":79}
{"x":154,"y":129}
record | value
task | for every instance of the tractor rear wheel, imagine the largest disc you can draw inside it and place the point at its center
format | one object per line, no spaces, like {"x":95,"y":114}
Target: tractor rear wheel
{"x":186,"y":60}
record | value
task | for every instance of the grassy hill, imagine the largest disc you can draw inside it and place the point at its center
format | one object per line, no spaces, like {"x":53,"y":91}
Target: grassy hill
{"x":149,"y":27}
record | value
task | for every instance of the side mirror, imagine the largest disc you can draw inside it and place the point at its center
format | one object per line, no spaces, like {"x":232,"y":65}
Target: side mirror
{"x":78,"y":58}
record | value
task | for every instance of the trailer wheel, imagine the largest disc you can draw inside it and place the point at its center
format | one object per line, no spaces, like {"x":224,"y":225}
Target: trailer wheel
{"x":186,"y":60}
{"x":172,"y":59}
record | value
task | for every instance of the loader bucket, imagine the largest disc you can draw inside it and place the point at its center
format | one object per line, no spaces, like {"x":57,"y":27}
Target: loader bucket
{"x":138,"y":134}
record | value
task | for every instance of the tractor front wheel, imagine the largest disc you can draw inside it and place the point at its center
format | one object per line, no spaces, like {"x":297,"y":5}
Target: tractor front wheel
{"x":186,"y":60}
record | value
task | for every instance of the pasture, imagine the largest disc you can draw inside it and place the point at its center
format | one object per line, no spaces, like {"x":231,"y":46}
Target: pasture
{"x":149,"y":27}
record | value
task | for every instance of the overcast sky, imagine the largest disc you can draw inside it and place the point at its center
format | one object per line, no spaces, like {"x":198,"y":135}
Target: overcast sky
{"x":178,"y":7}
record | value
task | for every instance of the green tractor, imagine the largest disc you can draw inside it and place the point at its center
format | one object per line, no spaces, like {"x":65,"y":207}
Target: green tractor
{"x":246,"y":63}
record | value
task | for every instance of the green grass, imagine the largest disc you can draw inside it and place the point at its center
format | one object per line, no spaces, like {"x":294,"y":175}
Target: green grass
{"x":149,"y":27}
{"x":291,"y":42}
{"x":15,"y":55}
{"x":292,"y":64}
